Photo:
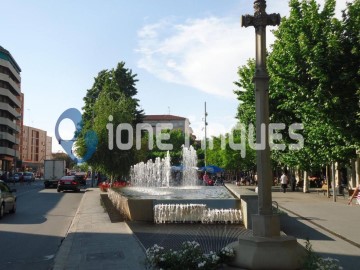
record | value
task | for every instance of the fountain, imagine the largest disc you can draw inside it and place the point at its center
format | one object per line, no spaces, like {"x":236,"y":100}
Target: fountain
{"x":153,"y":195}
{"x":151,"y":174}
{"x":189,"y":166}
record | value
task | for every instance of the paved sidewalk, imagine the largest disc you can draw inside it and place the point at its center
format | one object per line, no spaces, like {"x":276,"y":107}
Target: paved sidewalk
{"x":93,"y":242}
{"x":332,"y":227}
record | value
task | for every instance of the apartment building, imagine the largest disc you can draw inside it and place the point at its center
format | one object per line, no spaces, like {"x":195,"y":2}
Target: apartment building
{"x":11,"y":111}
{"x":36,"y":147}
{"x":168,"y":121}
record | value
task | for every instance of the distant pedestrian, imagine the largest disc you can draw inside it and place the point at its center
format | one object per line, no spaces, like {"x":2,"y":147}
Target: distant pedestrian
{"x":284,"y":181}
{"x":21,"y":178}
{"x":293,"y":182}
{"x":356,"y":194}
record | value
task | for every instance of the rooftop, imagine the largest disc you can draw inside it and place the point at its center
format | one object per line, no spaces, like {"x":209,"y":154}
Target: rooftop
{"x":6,"y":55}
{"x":162,"y":117}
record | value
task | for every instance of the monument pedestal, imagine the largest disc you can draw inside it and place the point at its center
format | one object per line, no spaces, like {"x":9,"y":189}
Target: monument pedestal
{"x":254,"y":252}
{"x":267,"y":248}
{"x":265,"y":225}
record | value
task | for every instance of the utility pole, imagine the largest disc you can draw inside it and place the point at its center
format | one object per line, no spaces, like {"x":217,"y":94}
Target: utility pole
{"x":205,"y":122}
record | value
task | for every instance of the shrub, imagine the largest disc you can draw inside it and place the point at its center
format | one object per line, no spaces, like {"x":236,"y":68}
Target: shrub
{"x":314,"y":261}
{"x":189,"y":256}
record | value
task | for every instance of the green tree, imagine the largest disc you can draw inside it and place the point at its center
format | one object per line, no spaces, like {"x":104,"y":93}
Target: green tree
{"x":306,"y":69}
{"x":109,"y":103}
{"x":348,"y":91}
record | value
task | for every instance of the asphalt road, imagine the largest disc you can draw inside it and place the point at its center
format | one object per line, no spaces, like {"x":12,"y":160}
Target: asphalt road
{"x":30,"y":238}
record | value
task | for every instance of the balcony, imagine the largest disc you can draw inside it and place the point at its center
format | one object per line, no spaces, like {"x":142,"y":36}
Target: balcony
{"x":9,"y":123}
{"x":7,"y":93}
{"x":8,"y":137}
{"x":9,"y":152}
{"x":7,"y":78}
{"x":9,"y":66}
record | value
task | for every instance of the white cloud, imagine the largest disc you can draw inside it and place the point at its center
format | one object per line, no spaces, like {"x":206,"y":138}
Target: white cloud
{"x":216,"y":126}
{"x":202,"y":53}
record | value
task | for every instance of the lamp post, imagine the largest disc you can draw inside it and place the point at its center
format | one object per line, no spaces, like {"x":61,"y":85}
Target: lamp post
{"x":205,"y":124}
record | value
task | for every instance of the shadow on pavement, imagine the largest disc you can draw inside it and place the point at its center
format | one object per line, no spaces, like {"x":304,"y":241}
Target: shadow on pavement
{"x":211,"y":237}
{"x":41,"y":259}
{"x":294,"y":227}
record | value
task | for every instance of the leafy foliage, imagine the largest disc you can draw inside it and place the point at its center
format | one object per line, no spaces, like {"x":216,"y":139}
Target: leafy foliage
{"x":177,"y":139}
{"x":314,"y":81}
{"x":108,"y":104}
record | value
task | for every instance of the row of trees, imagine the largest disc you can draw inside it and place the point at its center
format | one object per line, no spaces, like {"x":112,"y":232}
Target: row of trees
{"x":314,"y":68}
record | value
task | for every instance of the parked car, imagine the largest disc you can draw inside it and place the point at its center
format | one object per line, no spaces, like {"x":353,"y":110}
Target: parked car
{"x":81,"y":176}
{"x":17,"y":176}
{"x":68,"y":183}
{"x":7,"y":199}
{"x":29,"y":177}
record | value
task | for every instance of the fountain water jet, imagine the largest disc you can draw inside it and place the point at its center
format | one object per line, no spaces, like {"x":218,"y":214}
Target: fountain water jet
{"x":189,"y":167}
{"x":151,"y":174}
{"x":152,"y":186}
{"x":158,"y":173}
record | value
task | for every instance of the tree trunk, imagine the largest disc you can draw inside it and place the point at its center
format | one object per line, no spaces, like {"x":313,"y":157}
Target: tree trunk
{"x":306,"y":182}
{"x":357,"y":170}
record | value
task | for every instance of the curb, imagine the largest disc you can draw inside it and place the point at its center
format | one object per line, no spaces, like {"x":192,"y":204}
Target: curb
{"x":65,"y":246}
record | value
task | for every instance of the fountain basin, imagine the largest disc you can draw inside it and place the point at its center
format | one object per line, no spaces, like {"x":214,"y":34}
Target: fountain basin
{"x":138,"y":203}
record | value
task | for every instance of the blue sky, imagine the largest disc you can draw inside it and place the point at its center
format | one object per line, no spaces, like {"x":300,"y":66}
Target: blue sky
{"x":184,"y":52}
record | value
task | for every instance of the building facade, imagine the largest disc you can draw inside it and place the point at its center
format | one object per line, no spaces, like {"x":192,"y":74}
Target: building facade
{"x":36,"y":147}
{"x":11,"y":112}
{"x":168,"y":121}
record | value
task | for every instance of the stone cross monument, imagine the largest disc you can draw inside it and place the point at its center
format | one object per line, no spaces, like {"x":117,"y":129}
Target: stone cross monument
{"x":262,"y":248}
{"x":260,"y":20}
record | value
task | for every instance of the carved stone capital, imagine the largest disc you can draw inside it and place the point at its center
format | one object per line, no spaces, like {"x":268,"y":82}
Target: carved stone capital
{"x":260,"y":18}
{"x":273,"y":19}
{"x":247,"y":20}
{"x":259,"y":6}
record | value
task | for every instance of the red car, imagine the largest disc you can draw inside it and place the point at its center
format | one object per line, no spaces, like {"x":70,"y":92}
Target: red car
{"x":68,"y":183}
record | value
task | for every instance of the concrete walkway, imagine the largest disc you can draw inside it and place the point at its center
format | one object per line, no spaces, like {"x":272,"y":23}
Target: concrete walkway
{"x":333,"y":228}
{"x":93,"y":242}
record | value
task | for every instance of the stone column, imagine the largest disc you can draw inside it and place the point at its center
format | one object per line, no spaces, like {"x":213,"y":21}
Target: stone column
{"x":265,"y":223}
{"x":306,"y":182}
{"x":260,"y":250}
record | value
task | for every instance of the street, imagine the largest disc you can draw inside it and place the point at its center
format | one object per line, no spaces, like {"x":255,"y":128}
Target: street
{"x":30,"y":238}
